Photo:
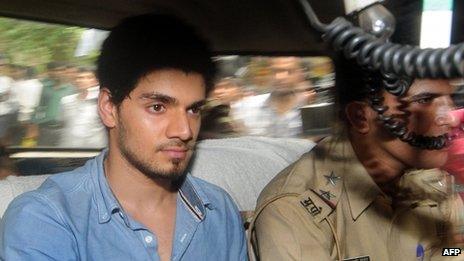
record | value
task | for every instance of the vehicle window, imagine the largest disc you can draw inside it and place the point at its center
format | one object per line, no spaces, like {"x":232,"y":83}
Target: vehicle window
{"x":48,"y":90}
{"x":270,"y":96}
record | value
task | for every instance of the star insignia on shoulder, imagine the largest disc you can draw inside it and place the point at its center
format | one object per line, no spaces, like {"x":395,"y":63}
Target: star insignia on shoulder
{"x":332,"y":179}
{"x":326,"y":194}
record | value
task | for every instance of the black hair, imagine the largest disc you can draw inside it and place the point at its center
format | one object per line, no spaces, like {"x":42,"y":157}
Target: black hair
{"x":30,"y":72}
{"x":352,"y":82}
{"x":55,"y":65}
{"x":5,"y":58}
{"x":82,"y":69}
{"x":142,"y":44}
{"x":17,"y":67}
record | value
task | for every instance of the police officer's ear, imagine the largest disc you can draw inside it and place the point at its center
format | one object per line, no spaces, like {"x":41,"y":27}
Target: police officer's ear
{"x":358,"y":115}
{"x":106,"y":108}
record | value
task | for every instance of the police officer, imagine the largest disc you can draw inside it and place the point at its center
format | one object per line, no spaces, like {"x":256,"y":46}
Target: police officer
{"x":364,"y":194}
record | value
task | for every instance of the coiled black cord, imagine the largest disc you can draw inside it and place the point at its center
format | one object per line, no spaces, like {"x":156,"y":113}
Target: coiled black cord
{"x":404,"y":60}
{"x":393,"y":60}
{"x":390,"y":58}
{"x":398,"y":64}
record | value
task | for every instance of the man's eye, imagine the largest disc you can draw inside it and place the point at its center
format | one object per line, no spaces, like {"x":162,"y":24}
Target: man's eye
{"x":195,"y":110}
{"x":424,"y":100}
{"x":158,"y":108}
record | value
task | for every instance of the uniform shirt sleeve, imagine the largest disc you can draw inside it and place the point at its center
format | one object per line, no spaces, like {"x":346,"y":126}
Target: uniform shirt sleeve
{"x":285,"y":232}
{"x":33,"y":229}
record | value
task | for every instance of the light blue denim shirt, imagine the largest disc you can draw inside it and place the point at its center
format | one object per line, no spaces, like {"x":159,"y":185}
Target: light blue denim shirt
{"x":75,"y":216}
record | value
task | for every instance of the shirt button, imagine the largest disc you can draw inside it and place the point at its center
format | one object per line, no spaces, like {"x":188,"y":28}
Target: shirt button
{"x":148,"y":239}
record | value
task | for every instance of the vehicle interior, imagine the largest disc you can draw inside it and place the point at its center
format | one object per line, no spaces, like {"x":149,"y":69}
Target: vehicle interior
{"x":241,"y":28}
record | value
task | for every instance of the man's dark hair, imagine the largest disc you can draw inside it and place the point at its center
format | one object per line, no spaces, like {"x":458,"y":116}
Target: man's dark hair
{"x":30,"y":72}
{"x":84,"y":69}
{"x":56,"y":65}
{"x":141,"y":44}
{"x":4,"y":59}
{"x":352,"y":83}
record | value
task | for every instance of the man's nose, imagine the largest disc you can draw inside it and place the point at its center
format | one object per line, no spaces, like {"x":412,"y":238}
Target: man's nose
{"x":281,"y":75}
{"x":179,"y":127}
{"x":445,"y":113}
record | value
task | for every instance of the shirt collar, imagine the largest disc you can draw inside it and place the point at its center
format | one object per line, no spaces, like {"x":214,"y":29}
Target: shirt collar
{"x":194,"y":197}
{"x":92,"y":93}
{"x":294,"y":109}
{"x":104,"y":198}
{"x":191,"y":194}
{"x":360,"y":188}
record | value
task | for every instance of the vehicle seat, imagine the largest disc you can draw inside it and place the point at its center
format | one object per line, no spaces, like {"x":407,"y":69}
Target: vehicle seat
{"x":241,"y":166}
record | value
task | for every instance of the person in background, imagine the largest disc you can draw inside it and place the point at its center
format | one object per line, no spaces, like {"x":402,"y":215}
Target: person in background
{"x":82,"y":127}
{"x":276,"y":113}
{"x":5,"y":73}
{"x":70,"y":73}
{"x":27,"y":90}
{"x":218,"y":118}
{"x":9,"y":107}
{"x":46,"y":128}
{"x":259,"y":75}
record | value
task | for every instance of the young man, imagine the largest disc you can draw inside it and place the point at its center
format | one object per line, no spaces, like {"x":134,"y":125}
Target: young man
{"x":9,"y":106}
{"x":277,"y":114}
{"x":82,"y":127}
{"x":135,"y":201}
{"x":46,"y":127}
{"x":365,"y":194}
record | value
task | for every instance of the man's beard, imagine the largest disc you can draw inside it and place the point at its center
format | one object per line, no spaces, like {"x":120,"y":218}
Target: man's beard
{"x":283,"y":90}
{"x":151,"y":171}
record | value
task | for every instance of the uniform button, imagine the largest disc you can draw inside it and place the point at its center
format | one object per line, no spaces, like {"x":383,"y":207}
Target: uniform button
{"x":148,"y":239}
{"x":104,"y":216}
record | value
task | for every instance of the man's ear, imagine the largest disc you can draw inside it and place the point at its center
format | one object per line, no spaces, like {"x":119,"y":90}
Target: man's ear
{"x":357,"y":114}
{"x":106,"y":108}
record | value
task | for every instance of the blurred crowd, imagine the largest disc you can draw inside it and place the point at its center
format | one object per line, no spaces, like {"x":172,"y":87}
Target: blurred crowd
{"x":252,"y":96}
{"x":263,"y":96}
{"x":56,"y":108}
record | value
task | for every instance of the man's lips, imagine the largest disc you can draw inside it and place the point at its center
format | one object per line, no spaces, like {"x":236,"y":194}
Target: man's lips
{"x":178,"y":153}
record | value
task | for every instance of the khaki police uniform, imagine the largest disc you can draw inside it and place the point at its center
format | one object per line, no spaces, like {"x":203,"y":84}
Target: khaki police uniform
{"x":325,"y":206}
